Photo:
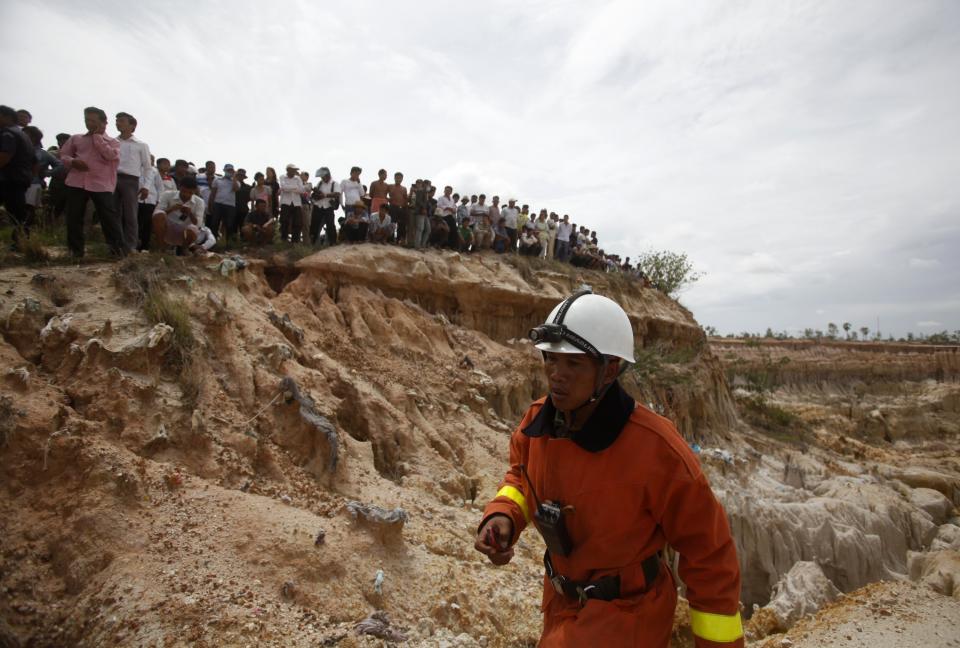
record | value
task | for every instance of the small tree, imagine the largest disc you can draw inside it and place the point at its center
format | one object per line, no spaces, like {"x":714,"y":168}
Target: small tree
{"x":846,"y":329}
{"x":668,"y":271}
{"x":808,"y":333}
{"x":832,"y":331}
{"x":769,"y":333}
{"x":864,"y":333}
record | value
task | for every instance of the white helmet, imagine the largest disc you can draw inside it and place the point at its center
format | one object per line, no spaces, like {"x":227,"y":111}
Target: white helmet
{"x":586,"y":323}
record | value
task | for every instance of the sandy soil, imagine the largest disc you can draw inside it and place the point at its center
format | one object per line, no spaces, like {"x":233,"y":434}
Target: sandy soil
{"x":882,"y":615}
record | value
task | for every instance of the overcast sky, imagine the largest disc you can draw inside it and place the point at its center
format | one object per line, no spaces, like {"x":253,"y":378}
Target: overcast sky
{"x":805,"y":155}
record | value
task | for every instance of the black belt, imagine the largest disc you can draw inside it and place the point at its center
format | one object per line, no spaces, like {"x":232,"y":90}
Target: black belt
{"x":604,"y":589}
{"x":128,"y":175}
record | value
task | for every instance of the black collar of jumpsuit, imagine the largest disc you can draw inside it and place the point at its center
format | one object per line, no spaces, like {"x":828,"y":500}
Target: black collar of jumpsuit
{"x":600,"y":430}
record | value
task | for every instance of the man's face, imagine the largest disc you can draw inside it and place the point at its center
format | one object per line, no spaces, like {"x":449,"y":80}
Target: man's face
{"x":260,"y":206}
{"x":6,"y":121}
{"x":398,"y":178}
{"x":291,"y":173}
{"x":382,"y":175}
{"x":211,"y":168}
{"x":186,"y":193}
{"x":448,"y":191}
{"x":163,"y":166}
{"x":571,"y":377}
{"x":23,"y":119}
{"x":355,"y":176}
{"x":123,"y":125}
{"x":93,"y":122}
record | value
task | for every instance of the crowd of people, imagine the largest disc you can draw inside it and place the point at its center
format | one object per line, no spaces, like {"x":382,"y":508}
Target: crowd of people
{"x":143,"y":202}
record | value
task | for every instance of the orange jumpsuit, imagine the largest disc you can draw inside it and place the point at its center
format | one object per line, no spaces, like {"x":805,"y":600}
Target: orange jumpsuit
{"x":634,"y":486}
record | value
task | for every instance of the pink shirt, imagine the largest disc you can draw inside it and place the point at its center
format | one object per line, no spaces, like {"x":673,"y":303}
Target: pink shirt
{"x":102,"y":155}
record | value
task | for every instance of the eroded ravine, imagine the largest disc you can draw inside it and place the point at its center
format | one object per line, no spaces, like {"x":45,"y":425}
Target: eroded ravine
{"x":163,"y":488}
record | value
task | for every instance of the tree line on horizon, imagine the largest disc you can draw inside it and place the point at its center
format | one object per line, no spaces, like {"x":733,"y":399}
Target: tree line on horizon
{"x":850,"y":333}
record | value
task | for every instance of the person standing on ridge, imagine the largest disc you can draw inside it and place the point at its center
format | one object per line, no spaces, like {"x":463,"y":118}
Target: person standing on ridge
{"x":608,"y":484}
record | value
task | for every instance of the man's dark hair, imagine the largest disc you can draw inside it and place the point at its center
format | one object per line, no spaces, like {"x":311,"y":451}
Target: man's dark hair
{"x":7,"y":111}
{"x":208,"y":163}
{"x":24,"y":111}
{"x":259,"y":201}
{"x":159,"y":160}
{"x":383,"y":171}
{"x":180,"y":162}
{"x":397,"y":175}
{"x":188,"y":182}
{"x":62,"y":138}
{"x":93,"y":110}
{"x":356,"y":169}
{"x":34,"y":133}
{"x":258,"y":174}
{"x":130,"y":118}
{"x":481,"y":196}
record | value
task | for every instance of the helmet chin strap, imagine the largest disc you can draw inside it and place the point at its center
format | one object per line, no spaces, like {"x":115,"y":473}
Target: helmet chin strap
{"x":599,"y":389}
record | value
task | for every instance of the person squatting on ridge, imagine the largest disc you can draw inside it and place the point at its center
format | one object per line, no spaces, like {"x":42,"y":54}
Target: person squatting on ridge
{"x":608,"y":483}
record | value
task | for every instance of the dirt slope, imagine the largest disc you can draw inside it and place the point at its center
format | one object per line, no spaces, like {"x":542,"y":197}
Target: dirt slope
{"x":184,"y":444}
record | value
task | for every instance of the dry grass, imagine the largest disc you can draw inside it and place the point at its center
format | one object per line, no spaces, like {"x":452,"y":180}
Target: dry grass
{"x":33,"y":250}
{"x":160,"y":307}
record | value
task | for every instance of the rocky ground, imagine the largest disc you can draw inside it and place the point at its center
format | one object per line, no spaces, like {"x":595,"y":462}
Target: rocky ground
{"x":247,"y":452}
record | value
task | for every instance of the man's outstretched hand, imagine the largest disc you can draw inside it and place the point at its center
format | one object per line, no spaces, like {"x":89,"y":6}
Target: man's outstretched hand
{"x":493,"y":539}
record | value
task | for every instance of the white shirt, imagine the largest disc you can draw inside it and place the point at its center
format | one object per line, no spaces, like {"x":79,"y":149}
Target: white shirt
{"x":326,"y":188}
{"x":446,"y":206}
{"x":205,"y":238}
{"x":563,"y":231}
{"x":134,"y":158}
{"x":154,"y":186}
{"x":510,"y":215}
{"x":170,"y":204}
{"x":290,"y":190}
{"x":352,"y":192}
{"x":477,"y":210}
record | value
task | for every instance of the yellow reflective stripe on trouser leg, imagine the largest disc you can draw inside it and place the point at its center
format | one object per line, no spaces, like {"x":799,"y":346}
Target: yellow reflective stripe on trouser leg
{"x":517,"y":497}
{"x":716,"y":627}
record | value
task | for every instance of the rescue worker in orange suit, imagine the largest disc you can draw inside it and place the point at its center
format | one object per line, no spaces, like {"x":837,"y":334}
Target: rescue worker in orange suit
{"x":608,"y":483}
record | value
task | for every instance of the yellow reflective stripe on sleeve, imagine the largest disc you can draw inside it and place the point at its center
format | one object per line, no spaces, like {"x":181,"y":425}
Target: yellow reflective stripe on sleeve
{"x":517,"y":497}
{"x":716,"y":627}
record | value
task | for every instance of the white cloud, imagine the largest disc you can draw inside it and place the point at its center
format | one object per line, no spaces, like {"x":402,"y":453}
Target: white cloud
{"x":800,"y":159}
{"x":929,"y":324}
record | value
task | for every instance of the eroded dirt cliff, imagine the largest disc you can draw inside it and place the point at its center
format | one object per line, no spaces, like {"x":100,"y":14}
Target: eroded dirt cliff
{"x":188,"y":449}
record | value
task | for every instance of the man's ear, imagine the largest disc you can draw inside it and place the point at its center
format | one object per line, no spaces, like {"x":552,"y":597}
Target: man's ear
{"x":612,"y":371}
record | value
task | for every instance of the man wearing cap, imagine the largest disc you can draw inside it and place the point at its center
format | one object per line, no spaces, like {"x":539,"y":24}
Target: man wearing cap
{"x":509,"y":214}
{"x":223,"y":194}
{"x":291,"y":216}
{"x":608,"y":484}
{"x":132,"y":173}
{"x":356,"y":223}
{"x":326,"y":196}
